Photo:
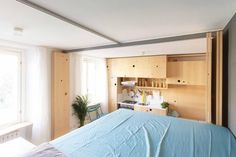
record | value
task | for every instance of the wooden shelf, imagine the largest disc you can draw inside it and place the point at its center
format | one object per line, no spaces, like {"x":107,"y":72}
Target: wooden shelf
{"x":182,"y":84}
{"x":150,"y":88}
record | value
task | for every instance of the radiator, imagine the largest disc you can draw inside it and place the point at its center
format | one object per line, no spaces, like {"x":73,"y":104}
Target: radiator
{"x":9,"y":136}
{"x":23,"y":129}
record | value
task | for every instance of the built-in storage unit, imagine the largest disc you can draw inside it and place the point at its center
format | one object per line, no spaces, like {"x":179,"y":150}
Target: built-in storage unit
{"x":144,"y":67}
{"x":60,"y":94}
{"x":181,"y":80}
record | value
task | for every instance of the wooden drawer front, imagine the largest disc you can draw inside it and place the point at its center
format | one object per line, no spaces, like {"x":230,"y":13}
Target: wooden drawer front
{"x":154,"y":111}
{"x":158,"y":111}
{"x":141,"y":108}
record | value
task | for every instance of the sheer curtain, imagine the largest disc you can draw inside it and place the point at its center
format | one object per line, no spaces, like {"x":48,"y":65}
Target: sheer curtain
{"x":88,"y":76}
{"x":36,"y":88}
{"x":37,"y":92}
{"x":94,"y":80}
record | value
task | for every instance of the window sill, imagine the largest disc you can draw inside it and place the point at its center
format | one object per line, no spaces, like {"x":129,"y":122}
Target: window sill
{"x":14,"y":127}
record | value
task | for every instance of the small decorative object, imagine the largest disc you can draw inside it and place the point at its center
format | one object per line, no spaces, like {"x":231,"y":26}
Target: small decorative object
{"x":160,"y":83}
{"x":152,"y":83}
{"x":164,"y":105}
{"x":128,"y":83}
{"x":80,"y":108}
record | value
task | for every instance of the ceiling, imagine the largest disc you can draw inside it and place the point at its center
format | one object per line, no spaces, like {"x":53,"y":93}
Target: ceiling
{"x":123,"y":20}
{"x":175,"y":47}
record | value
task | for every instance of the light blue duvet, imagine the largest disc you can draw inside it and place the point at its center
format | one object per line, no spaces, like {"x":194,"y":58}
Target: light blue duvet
{"x":125,"y":133}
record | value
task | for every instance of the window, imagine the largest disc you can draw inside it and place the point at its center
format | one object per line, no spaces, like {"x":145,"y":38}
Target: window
{"x":94,"y":80}
{"x":10,"y":87}
{"x":89,"y":78}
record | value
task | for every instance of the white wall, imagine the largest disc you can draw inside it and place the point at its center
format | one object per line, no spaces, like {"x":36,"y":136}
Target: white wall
{"x":232,"y":77}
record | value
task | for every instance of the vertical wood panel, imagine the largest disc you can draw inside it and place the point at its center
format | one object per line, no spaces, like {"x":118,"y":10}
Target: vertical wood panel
{"x":209,"y":76}
{"x":60,"y":94}
{"x":219,"y":76}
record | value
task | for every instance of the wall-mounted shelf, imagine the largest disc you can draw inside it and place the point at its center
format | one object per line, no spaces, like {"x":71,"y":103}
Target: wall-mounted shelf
{"x":152,"y":83}
{"x":150,"y":88}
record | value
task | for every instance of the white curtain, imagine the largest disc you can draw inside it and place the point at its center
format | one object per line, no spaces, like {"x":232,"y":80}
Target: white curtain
{"x":94,"y":80}
{"x":37,"y":86}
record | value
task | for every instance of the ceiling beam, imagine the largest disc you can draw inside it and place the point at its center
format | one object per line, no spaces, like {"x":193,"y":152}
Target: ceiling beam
{"x":67,"y":20}
{"x":143,"y":42}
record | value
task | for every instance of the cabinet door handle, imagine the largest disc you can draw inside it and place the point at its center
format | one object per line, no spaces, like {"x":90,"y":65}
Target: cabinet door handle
{"x":133,"y":66}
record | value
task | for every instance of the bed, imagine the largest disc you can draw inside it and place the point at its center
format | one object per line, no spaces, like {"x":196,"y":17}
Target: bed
{"x":126,"y":133}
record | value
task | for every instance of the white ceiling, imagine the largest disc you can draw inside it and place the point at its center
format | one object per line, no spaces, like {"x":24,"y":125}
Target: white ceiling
{"x":42,"y":29}
{"x":129,"y":20}
{"x":124,"y":20}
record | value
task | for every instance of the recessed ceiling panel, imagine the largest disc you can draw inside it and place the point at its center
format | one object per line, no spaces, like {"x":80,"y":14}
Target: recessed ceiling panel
{"x":130,"y":20}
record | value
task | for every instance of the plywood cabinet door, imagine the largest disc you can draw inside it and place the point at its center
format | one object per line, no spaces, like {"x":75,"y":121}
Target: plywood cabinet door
{"x":157,"y":66}
{"x":141,"y":67}
{"x":186,"y":72}
{"x":122,"y":67}
{"x":128,"y":67}
{"x":112,"y":87}
{"x":175,"y":72}
{"x":60,"y":94}
{"x":151,"y":67}
{"x":114,"y":68}
{"x":194,"y":72}
{"x":146,"y":67}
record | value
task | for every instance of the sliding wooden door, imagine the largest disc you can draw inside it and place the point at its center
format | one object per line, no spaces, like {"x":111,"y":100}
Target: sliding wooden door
{"x":219,"y":76}
{"x":209,"y":78}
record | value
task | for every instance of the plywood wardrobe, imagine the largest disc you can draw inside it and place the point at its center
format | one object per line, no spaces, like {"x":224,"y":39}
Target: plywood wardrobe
{"x":60,"y":94}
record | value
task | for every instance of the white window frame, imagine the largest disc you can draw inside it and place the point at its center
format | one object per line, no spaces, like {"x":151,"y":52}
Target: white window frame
{"x":18,"y":53}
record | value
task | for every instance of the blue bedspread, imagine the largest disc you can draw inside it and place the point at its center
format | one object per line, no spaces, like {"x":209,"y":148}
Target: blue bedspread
{"x":125,"y":133}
